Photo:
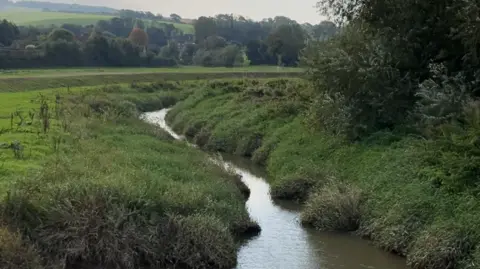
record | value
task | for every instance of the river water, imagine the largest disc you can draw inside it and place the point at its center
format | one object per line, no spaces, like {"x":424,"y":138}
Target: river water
{"x":283,"y":242}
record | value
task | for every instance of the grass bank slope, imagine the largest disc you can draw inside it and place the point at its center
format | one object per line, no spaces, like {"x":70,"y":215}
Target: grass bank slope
{"x":385,"y":188}
{"x":106,"y":190}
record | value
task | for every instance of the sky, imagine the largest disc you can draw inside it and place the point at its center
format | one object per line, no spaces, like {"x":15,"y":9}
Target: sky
{"x":300,"y":10}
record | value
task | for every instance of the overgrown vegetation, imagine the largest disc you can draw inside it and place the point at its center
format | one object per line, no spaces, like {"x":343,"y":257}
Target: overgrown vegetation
{"x":411,"y":194}
{"x":114,"y":192}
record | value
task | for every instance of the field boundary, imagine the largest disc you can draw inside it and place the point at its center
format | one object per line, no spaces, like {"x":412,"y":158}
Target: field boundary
{"x":31,"y":83}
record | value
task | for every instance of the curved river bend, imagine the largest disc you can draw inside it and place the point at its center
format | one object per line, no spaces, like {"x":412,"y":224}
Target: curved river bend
{"x":283,"y":242}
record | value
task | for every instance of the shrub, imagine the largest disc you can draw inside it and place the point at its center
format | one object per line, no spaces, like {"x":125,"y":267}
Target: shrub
{"x":334,"y":207}
{"x":443,"y":246}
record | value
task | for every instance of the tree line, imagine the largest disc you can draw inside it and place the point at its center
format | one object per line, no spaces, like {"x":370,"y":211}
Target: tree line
{"x":407,"y":67}
{"x":223,"y":40}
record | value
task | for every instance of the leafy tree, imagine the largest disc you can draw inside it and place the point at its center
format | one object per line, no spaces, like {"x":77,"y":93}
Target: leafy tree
{"x":257,"y":53}
{"x":175,"y":17}
{"x":187,"y":52}
{"x":170,"y":51}
{"x":139,"y":24}
{"x":214,"y":42}
{"x":157,"y":36}
{"x":204,"y":27}
{"x":138,"y":37}
{"x":76,"y":29}
{"x":286,"y":41}
{"x":232,"y":55}
{"x":97,"y":49}
{"x":61,"y":34}
{"x":61,"y":52}
{"x":8,"y":32}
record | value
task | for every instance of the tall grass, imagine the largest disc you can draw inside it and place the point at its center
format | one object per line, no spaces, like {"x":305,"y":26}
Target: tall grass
{"x":120,"y":193}
{"x":411,"y":196}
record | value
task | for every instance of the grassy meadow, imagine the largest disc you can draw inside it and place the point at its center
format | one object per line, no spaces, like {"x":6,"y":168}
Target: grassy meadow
{"x":40,"y":79}
{"x":382,"y":188}
{"x":86,"y":184}
{"x":25,"y":17}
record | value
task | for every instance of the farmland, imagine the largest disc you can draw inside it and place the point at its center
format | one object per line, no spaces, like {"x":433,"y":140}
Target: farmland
{"x":26,"y":17}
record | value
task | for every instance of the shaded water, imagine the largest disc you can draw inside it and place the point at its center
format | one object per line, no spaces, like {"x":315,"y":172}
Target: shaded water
{"x":283,"y":242}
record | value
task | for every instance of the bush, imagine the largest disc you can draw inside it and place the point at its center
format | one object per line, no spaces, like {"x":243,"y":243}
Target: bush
{"x":443,"y":246}
{"x":359,"y":74}
{"x":334,"y":207}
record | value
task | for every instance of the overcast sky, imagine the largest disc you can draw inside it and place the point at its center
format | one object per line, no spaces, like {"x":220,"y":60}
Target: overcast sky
{"x":299,"y":10}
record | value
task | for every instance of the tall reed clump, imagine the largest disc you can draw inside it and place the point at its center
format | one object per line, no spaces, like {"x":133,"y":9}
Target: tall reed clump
{"x":336,"y":206}
{"x":120,"y":193}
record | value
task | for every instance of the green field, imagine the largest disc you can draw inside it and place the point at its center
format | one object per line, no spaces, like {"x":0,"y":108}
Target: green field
{"x":136,"y":70}
{"x":41,"y":18}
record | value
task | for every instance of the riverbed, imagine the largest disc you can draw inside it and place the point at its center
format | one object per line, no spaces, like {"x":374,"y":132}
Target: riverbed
{"x":283,"y":242}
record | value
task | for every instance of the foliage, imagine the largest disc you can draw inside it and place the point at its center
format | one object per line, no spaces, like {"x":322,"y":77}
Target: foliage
{"x":170,"y":51}
{"x":433,"y":219}
{"x":138,"y":37}
{"x":8,"y":32}
{"x":286,"y":41}
{"x":358,"y":74}
{"x":61,"y":34}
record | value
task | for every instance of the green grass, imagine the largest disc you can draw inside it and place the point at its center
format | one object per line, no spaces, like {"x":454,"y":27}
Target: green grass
{"x":28,"y":80}
{"x":138,"y":70}
{"x":384,"y":188}
{"x":104,"y":189}
{"x":41,"y":18}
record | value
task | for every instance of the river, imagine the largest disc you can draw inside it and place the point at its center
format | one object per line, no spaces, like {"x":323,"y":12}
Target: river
{"x":283,"y":242}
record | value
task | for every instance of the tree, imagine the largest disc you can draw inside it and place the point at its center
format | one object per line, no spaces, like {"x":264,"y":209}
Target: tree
{"x":257,"y":53}
{"x":232,"y":55}
{"x":138,"y":37}
{"x":8,"y":32}
{"x":76,"y":29}
{"x":97,"y":49}
{"x":175,"y":17}
{"x":187,"y":52}
{"x":157,"y":36}
{"x":170,"y":51}
{"x":214,"y":42}
{"x":61,"y":52}
{"x":324,"y":30}
{"x":286,"y":41}
{"x":204,"y":27}
{"x":61,"y":34}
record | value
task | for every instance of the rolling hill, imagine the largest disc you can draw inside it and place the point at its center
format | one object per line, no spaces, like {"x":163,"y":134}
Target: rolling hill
{"x":25,"y":17}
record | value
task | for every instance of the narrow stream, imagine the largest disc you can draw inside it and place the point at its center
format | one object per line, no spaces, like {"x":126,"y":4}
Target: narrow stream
{"x":283,"y":242}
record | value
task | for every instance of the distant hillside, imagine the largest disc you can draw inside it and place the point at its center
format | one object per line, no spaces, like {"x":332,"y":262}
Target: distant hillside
{"x":29,"y":16}
{"x":63,"y":7}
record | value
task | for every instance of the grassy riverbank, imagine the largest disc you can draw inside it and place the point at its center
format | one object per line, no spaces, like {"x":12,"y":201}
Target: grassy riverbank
{"x":385,"y":187}
{"x":88,"y":185}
